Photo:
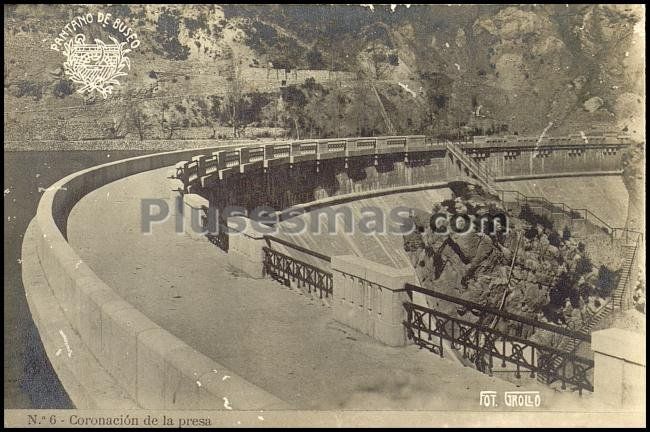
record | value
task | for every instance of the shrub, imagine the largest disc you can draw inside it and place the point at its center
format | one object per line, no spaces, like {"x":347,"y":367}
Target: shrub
{"x":554,"y":238}
{"x":583,"y":266}
{"x":63,"y":88}
{"x":315,"y":59}
{"x":561,"y":290}
{"x":530,"y":233}
{"x":28,"y":88}
{"x":607,"y":281}
{"x":167,"y":31}
{"x":533,"y":218}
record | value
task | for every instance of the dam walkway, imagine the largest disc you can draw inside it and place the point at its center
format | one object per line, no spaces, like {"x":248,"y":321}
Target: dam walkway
{"x":275,"y":337}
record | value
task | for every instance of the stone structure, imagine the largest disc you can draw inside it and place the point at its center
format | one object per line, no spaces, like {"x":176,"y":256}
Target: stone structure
{"x":370,"y":296}
{"x":619,"y":370}
{"x":195,"y":207}
{"x":245,"y":246}
{"x":123,"y":355}
{"x":154,"y":369}
{"x":284,"y":174}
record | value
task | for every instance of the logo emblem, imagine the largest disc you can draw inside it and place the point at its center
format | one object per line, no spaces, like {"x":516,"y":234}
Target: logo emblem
{"x":95,"y":66}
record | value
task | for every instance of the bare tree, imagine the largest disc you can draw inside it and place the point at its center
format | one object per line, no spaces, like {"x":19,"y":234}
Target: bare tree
{"x":134,"y":114}
{"x":138,"y":120}
{"x":173,"y":122}
{"x":117,"y":128}
{"x":234,"y":94}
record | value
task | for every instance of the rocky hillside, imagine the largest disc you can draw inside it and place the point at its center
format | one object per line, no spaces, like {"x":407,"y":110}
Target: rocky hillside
{"x":323,"y":70}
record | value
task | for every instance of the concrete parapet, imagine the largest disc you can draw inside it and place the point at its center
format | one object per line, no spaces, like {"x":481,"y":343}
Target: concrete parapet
{"x":245,"y":243}
{"x":87,"y":383}
{"x":369,"y":297}
{"x":151,"y":366}
{"x":619,"y":367}
{"x":194,"y":207}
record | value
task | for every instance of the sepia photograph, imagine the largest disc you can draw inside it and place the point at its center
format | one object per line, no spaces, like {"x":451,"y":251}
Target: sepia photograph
{"x":324,"y":215}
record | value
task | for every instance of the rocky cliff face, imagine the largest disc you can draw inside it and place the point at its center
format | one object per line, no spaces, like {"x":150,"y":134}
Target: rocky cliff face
{"x":481,"y":68}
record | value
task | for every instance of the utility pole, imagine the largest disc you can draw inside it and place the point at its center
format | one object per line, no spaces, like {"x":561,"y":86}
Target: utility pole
{"x":338,"y":110}
{"x":162,"y":118}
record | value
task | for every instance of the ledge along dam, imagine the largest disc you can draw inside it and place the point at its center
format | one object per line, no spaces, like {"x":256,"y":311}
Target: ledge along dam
{"x":364,"y":286}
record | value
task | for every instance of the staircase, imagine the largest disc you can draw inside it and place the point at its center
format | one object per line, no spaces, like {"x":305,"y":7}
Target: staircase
{"x":616,"y":303}
{"x":476,"y":170}
{"x":572,"y":345}
{"x":624,"y":285}
{"x":384,"y":114}
{"x":619,"y":295}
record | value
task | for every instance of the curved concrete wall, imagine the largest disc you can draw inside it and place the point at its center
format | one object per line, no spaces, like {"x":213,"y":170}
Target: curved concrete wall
{"x":156,"y":369}
{"x":285,"y":174}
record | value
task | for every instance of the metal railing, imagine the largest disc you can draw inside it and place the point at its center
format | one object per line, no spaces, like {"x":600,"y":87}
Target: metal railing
{"x":484,"y":345}
{"x":556,"y":207}
{"x":221,"y":239}
{"x":270,"y":238}
{"x":286,"y":269}
{"x":622,"y":295}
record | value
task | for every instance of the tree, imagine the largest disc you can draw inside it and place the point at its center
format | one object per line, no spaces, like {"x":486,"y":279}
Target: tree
{"x":315,"y":59}
{"x":137,"y":119}
{"x":174,"y":121}
{"x":554,"y":238}
{"x":361,"y":109}
{"x":234,"y":99}
{"x":295,"y":101}
{"x":214,"y":113}
{"x":116,"y":128}
{"x":171,"y":120}
{"x":607,"y":281}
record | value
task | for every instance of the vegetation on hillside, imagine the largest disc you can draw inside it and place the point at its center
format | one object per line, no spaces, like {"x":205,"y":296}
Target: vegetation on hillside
{"x":436,"y":69}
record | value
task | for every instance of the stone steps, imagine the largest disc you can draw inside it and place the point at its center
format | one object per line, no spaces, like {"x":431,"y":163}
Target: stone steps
{"x":571,"y":345}
{"x":619,"y":292}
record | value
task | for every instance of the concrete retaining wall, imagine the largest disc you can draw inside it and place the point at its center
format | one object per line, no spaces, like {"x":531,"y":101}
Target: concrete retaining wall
{"x":619,"y":367}
{"x":156,"y":369}
{"x":245,"y":246}
{"x":370,"y":296}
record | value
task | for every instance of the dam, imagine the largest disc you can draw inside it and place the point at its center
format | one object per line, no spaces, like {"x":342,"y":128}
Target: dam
{"x":163,"y":312}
